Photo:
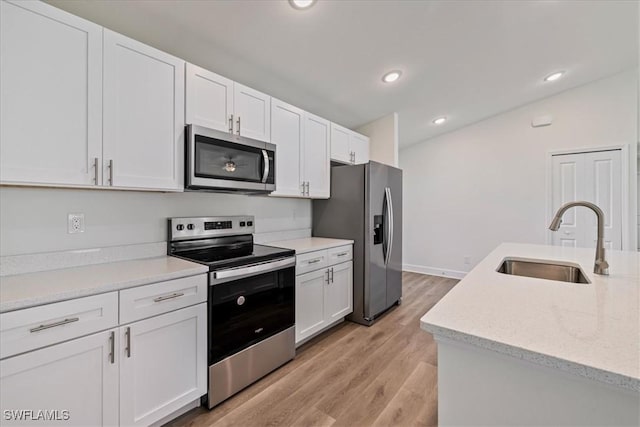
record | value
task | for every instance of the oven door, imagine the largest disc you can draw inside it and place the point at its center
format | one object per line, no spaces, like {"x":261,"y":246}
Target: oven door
{"x":249,"y":304}
{"x":223,"y":161}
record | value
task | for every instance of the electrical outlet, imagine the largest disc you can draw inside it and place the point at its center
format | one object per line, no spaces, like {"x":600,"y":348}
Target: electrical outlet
{"x":467,"y":260}
{"x":75,"y":223}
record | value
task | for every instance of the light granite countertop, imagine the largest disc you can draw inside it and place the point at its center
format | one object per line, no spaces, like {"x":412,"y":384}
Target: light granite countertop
{"x":310,"y":244}
{"x":31,"y":289}
{"x":592,"y":330}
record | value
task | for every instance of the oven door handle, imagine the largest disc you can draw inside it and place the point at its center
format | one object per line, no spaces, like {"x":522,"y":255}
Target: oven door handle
{"x":254,"y":269}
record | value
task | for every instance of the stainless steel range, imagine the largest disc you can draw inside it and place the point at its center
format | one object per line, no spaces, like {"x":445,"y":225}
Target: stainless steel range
{"x":251,"y":310}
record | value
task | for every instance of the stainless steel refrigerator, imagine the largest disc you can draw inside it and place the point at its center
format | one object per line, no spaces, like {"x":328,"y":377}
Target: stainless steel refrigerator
{"x":366,"y":206}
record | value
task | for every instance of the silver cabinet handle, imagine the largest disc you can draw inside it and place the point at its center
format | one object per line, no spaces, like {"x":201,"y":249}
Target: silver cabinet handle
{"x":112,"y":347}
{"x":265,"y":156}
{"x":127,"y":337}
{"x":166,"y":297}
{"x":238,"y":122}
{"x":110,"y":166}
{"x":95,"y":169}
{"x":54,"y":324}
{"x":303,"y":187}
{"x":314,"y":261}
{"x":327,"y":276}
{"x":331,"y":274}
{"x":342,"y":254}
{"x":231,"y":123}
{"x":306,"y":186}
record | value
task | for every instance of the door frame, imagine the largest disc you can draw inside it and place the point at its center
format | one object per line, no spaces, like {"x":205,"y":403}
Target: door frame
{"x":628,"y":234}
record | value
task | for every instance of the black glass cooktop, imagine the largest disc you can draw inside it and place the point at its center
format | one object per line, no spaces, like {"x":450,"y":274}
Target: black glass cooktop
{"x":221,"y":253}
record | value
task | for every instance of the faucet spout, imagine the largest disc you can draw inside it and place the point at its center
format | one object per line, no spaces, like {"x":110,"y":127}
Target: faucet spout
{"x":601,"y":265}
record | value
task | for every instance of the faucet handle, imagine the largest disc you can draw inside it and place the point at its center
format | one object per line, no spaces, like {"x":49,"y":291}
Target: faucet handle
{"x":601,"y":267}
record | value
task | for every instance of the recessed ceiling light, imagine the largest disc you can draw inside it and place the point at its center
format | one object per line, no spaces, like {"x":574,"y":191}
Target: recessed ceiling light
{"x":301,"y":4}
{"x":553,"y":77}
{"x":391,"y":76}
{"x":439,"y":120}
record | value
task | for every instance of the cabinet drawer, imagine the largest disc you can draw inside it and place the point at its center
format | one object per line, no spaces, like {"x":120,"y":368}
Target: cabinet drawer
{"x":150,"y":300}
{"x":311,"y":261}
{"x":340,"y":254}
{"x":36,"y":327}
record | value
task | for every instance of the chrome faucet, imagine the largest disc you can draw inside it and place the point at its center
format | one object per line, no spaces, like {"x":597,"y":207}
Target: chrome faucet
{"x":601,"y":265}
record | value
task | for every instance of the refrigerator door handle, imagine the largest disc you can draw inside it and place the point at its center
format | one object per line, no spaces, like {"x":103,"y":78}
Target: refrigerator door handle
{"x":389,"y":202}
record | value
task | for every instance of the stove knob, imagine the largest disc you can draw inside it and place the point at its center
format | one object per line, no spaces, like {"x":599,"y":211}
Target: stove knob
{"x":180,"y":227}
{"x":190,"y":227}
{"x":240,"y":300}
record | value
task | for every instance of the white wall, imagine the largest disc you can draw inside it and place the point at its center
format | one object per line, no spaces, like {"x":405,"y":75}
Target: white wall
{"x":383,"y":139}
{"x":34,"y":220}
{"x":469,"y":190}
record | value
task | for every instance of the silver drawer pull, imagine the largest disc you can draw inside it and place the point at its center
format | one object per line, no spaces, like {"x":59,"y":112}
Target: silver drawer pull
{"x":166,"y":297}
{"x":342,"y":254}
{"x":53,"y":325}
{"x":313,"y":261}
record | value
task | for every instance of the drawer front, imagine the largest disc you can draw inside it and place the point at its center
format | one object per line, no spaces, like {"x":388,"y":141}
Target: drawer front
{"x":340,"y":254}
{"x":31,"y":328}
{"x":311,"y":261}
{"x":150,"y":300}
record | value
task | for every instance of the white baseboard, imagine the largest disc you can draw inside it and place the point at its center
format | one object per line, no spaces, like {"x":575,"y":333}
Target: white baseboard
{"x":434,"y":271}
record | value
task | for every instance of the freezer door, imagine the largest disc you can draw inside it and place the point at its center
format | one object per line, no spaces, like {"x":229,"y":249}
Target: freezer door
{"x":375,"y":268}
{"x":394,"y":263}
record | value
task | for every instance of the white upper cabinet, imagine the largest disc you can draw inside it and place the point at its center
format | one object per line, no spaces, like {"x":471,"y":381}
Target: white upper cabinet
{"x":287,"y":133}
{"x":143,"y":139}
{"x":348,"y":146}
{"x":316,"y":156}
{"x":209,"y":99}
{"x":218,"y":103}
{"x":302,"y":152}
{"x":50,"y":94}
{"x":252,"y":113}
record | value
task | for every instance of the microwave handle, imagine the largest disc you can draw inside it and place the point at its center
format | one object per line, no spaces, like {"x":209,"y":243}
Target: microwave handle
{"x":265,"y":173}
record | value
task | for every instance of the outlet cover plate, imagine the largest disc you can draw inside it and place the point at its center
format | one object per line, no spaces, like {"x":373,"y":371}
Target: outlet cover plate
{"x":75,"y":223}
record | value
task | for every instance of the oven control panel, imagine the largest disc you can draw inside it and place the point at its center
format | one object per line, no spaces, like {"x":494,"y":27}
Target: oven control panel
{"x":202,"y":227}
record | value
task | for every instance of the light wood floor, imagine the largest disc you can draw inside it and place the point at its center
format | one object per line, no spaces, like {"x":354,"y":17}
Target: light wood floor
{"x":352,"y":375}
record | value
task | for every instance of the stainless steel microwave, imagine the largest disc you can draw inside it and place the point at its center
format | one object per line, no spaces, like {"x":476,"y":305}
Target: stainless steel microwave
{"x":225,"y":162}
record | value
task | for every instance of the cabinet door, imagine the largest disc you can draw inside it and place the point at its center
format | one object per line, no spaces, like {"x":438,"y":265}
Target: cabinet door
{"x":252,"y":113}
{"x":287,"y":133}
{"x":339,"y":292}
{"x":360,"y":147}
{"x":209,"y":99}
{"x":316,"y":155}
{"x":163,"y":364}
{"x":340,"y":150}
{"x":310,"y":303}
{"x":50,"y":94}
{"x":77,"y":376}
{"x":143,"y":115}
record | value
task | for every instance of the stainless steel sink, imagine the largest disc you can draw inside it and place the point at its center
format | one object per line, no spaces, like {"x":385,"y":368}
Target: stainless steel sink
{"x":541,"y":269}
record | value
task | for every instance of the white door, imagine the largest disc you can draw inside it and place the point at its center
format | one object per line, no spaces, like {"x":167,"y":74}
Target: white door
{"x":340,"y":150}
{"x":252,"y":113}
{"x":51,"y":95}
{"x":209,"y":99}
{"x":287,"y":132}
{"x":163,"y":364}
{"x":316,"y":156}
{"x":78,"y":376}
{"x":339,"y":292}
{"x":143,"y":115}
{"x":310,"y":309}
{"x":359,"y":145}
{"x":594,"y":177}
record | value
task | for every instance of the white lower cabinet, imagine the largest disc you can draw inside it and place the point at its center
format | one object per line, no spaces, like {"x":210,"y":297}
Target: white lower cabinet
{"x":136,"y":374}
{"x":323,"y":296}
{"x":162,"y":365}
{"x":75,"y":383}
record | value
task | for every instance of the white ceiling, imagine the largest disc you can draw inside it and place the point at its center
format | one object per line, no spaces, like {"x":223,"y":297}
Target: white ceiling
{"x":467,"y":60}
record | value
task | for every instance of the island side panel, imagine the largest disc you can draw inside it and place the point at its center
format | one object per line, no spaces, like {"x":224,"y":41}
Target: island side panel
{"x":481,"y":387}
